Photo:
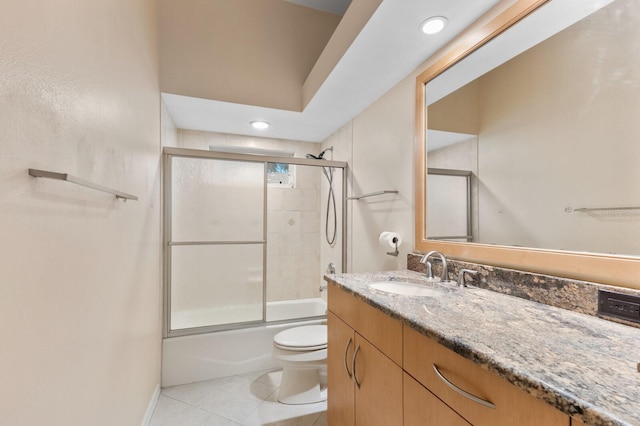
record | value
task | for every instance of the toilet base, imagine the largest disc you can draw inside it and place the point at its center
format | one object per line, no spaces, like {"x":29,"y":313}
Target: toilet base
{"x":302,"y":386}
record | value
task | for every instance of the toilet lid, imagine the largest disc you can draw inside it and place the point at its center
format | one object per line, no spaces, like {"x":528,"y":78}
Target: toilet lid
{"x":309,"y":337}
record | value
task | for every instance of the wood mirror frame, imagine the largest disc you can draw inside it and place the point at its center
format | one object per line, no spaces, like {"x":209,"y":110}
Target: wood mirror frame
{"x":616,"y":270}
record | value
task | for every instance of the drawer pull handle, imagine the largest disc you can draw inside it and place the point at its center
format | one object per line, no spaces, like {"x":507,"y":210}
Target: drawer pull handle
{"x":346,"y":350}
{"x":353,"y":366}
{"x":462,"y":392}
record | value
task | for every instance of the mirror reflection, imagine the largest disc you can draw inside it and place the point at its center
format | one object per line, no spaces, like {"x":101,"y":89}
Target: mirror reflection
{"x":548,"y":135}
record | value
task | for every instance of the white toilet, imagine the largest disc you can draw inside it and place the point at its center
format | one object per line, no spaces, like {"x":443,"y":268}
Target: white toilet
{"x":302,"y":352}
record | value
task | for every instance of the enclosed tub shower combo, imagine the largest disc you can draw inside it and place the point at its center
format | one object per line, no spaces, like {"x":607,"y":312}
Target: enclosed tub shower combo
{"x":247,"y":239}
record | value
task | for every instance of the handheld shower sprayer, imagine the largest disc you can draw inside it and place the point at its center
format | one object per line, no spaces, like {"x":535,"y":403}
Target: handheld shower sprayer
{"x":331,"y":198}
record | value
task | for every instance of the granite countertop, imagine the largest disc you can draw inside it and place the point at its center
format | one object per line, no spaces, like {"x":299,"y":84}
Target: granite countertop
{"x":585,"y":366}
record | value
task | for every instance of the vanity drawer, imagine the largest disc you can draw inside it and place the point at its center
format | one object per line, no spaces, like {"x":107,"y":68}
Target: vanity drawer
{"x":422,"y":408}
{"x":374,"y":325}
{"x":513,"y":406}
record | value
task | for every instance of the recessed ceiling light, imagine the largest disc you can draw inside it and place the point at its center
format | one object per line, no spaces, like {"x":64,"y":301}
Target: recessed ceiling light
{"x":433,"y":25}
{"x":260,"y":125}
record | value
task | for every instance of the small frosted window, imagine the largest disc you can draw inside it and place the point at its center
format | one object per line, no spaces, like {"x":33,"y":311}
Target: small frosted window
{"x":281,"y":175}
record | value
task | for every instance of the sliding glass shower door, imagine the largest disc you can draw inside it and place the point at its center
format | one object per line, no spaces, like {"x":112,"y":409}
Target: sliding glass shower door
{"x":248,"y":238}
{"x":216,"y":242}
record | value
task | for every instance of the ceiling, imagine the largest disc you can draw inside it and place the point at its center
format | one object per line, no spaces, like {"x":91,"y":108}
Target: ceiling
{"x":337,"y":7}
{"x":389,"y":48}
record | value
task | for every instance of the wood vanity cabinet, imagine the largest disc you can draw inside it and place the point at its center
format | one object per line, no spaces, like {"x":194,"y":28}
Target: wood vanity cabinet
{"x":513,"y":406}
{"x":364,"y":356}
{"x":394,"y":367}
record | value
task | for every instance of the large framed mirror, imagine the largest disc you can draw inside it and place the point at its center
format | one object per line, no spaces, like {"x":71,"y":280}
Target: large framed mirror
{"x":540,"y":106}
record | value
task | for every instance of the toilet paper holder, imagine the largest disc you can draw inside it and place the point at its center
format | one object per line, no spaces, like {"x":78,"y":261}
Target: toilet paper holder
{"x":395,"y":252}
{"x":390,"y":239}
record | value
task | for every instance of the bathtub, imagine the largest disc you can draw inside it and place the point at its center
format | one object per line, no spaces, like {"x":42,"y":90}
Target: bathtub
{"x":199,"y":357}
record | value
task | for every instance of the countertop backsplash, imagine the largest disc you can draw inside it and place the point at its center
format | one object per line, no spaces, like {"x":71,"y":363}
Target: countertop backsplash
{"x":564,"y":293}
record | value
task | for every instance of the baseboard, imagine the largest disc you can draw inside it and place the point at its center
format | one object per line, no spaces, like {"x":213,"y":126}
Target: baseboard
{"x":152,"y":406}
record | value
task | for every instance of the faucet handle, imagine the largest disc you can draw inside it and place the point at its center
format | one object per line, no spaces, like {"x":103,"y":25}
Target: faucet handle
{"x":461,"y":282}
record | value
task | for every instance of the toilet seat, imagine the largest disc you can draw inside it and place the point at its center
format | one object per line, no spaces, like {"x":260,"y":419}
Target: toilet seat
{"x":305,"y":338}
{"x":308,"y":358}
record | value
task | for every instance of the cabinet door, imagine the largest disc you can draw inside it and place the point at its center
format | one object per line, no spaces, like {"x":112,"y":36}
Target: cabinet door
{"x":384,"y":332}
{"x":341,"y":398}
{"x":422,"y":408}
{"x":379,"y":394}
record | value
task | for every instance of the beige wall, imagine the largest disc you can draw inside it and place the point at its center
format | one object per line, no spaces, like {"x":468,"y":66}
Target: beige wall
{"x":577,"y":134}
{"x":79,"y":270}
{"x":378,"y":144}
{"x":457,"y":112}
{"x":169,"y":134}
{"x":254,"y":52}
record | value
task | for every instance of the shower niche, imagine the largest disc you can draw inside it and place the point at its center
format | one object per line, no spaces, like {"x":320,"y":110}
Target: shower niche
{"x":247,"y":238}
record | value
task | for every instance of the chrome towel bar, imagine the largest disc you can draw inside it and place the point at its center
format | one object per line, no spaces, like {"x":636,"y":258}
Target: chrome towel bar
{"x":73,"y":179}
{"x":373,"y":194}
{"x":593,"y":209}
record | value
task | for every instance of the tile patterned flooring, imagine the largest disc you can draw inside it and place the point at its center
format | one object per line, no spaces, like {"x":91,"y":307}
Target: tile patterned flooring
{"x":244,"y":400}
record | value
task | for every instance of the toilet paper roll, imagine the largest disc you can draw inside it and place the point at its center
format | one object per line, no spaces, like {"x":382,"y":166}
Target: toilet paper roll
{"x":390,"y":239}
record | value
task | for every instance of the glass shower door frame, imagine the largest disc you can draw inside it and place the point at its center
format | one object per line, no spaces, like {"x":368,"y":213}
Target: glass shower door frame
{"x":168,"y":155}
{"x":467,"y":176}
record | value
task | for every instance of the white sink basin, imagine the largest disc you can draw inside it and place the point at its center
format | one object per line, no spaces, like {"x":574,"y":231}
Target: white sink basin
{"x":403,"y":288}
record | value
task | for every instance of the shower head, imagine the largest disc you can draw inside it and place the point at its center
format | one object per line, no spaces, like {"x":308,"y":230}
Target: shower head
{"x":319,"y":156}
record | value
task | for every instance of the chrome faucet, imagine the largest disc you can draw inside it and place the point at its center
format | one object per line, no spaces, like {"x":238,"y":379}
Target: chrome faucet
{"x":425,"y":260}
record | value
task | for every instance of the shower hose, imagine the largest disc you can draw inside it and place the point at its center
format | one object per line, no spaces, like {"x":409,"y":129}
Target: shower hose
{"x":331,"y":200}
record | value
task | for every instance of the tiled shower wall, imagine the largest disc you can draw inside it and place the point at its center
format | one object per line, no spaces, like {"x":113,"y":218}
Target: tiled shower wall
{"x":293,"y":238}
